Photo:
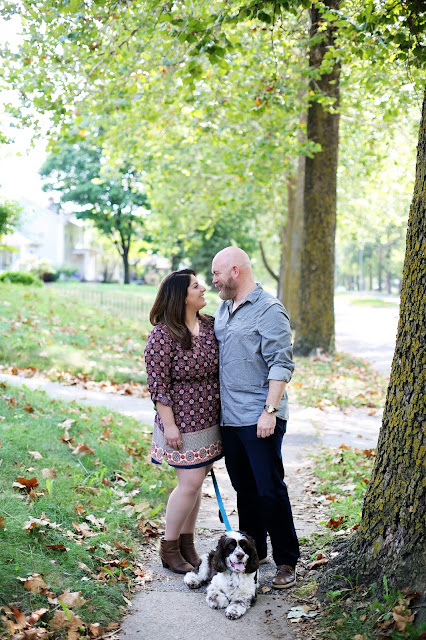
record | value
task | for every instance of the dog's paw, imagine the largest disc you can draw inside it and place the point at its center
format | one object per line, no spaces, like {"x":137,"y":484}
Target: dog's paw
{"x":192,"y":580}
{"x":235,"y":611}
{"x":217,"y":600}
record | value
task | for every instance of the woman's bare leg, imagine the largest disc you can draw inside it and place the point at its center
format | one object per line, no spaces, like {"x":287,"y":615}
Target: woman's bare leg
{"x":184,"y":502}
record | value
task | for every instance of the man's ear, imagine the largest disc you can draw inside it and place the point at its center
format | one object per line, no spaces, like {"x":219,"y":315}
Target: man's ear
{"x":235,"y":272}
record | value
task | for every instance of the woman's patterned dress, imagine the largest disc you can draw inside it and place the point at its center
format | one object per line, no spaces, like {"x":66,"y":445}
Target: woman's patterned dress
{"x":187,"y":381}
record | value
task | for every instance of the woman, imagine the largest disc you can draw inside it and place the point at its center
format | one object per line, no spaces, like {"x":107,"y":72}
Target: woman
{"x":182,"y":360}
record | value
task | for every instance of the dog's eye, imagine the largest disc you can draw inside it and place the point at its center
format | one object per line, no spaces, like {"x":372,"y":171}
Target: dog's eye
{"x":231,"y":545}
{"x":244,"y":545}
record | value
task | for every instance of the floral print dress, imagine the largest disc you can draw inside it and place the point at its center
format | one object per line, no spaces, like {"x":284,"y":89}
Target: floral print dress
{"x":187,"y":381}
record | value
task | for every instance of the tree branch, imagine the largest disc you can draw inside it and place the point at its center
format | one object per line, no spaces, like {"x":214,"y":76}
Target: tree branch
{"x":265,"y":262}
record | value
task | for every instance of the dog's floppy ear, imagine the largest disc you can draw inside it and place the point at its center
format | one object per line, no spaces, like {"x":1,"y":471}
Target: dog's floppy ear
{"x":219,"y":556}
{"x":253,"y":559}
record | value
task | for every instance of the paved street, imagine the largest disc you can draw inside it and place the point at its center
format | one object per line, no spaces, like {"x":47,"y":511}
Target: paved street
{"x":367,"y":332}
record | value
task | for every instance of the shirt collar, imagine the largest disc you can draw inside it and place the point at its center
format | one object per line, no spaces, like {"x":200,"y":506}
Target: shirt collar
{"x":251,"y":297}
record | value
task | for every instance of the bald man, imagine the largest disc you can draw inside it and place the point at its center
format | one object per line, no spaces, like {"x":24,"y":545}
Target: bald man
{"x":255,"y":356}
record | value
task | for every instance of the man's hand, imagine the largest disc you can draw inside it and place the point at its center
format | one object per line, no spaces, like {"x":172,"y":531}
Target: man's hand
{"x":266,"y":424}
{"x":172,"y":437}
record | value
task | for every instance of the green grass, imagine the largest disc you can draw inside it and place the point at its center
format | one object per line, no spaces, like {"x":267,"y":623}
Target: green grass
{"x":356,"y":613}
{"x":373,"y":302}
{"x":342,"y":476}
{"x":340,"y":381}
{"x":100,"y":485}
{"x":56,"y":333}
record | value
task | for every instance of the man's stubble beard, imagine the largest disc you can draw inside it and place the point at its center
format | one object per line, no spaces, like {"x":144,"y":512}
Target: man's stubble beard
{"x":228,"y":290}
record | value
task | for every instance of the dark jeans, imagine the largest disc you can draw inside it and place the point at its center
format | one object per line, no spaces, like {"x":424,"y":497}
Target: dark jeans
{"x":256,"y":471}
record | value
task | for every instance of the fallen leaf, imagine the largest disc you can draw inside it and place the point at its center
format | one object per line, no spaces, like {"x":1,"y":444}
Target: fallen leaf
{"x":28,"y":407}
{"x":2,"y":522}
{"x":96,"y":630}
{"x":49,"y":473}
{"x":31,"y":483}
{"x":84,"y":530}
{"x":36,"y":455}
{"x":34,"y":583}
{"x":72,"y":598}
{"x":56,"y":547}
{"x":83,"y":449}
{"x":333,"y":524}
{"x":122,"y":546}
{"x":66,"y":424}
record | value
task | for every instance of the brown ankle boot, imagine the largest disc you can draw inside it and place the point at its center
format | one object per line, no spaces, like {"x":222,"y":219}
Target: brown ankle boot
{"x":187,"y":549}
{"x":171,"y":557}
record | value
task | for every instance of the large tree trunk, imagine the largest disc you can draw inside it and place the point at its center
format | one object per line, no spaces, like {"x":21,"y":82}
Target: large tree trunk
{"x":316,"y":330}
{"x":391,"y":539}
{"x":293,"y":250}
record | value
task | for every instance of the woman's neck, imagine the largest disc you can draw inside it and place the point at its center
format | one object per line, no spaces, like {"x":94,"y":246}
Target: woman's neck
{"x":192,"y":322}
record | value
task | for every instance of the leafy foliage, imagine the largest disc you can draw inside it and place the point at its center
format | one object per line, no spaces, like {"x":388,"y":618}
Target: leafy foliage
{"x":20,"y":277}
{"x":112,"y":198}
{"x":9,"y":216}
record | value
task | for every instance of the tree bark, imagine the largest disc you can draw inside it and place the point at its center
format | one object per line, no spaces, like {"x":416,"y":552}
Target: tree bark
{"x":293,"y":247}
{"x":316,"y":329}
{"x":391,"y":539}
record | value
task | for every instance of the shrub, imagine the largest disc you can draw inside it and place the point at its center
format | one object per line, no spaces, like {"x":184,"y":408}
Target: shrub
{"x":20,"y":277}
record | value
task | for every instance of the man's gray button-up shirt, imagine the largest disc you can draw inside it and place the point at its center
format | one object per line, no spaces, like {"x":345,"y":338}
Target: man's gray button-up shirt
{"x":254,"y":347}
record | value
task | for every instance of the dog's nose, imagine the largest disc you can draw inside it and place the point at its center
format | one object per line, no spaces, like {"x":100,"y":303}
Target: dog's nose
{"x":239,"y":555}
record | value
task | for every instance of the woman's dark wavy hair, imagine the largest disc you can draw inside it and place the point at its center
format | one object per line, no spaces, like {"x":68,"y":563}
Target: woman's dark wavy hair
{"x":169,"y":306}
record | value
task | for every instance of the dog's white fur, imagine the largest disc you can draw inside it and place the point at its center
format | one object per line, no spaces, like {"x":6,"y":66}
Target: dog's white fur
{"x":232,"y":571}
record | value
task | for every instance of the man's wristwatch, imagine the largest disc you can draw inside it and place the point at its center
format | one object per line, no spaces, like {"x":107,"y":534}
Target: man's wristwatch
{"x":269,"y":408}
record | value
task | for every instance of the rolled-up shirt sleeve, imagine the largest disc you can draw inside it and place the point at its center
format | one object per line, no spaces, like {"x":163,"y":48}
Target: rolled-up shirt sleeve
{"x":276,"y":345}
{"x":158,"y":362}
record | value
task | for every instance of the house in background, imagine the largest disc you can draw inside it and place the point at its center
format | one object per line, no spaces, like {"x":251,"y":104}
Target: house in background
{"x":48,"y":233}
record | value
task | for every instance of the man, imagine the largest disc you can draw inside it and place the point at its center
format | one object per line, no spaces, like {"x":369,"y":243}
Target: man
{"x":255,"y":357}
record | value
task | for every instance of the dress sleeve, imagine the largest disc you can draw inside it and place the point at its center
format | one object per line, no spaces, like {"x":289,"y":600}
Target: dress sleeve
{"x":158,"y":361}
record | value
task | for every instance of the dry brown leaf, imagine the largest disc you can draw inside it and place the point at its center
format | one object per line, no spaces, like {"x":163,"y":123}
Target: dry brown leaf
{"x":84,"y":530}
{"x":2,"y":522}
{"x":69,"y":621}
{"x":66,"y":424}
{"x":97,"y":522}
{"x":31,"y":483}
{"x":29,"y":408}
{"x":49,"y":473}
{"x":333,"y":524}
{"x":79,"y":509}
{"x":34,"y":583}
{"x":105,"y":435}
{"x":36,"y":615}
{"x":83,"y":449}
{"x":36,"y":455}
{"x":122,"y":546}
{"x":56,"y":547}
{"x":72,"y":598}
{"x":96,"y":630}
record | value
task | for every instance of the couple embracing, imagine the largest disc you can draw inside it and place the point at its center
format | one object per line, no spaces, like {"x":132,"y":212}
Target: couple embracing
{"x":246,"y":351}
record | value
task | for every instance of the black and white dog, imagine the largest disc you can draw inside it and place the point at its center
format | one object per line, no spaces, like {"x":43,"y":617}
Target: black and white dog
{"x":232,"y":571}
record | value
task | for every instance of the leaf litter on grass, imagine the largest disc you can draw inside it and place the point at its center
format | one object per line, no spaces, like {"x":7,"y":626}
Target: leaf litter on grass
{"x":101,"y":505}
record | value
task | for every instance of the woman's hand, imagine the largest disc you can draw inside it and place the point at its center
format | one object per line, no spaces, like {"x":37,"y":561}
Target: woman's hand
{"x":172,"y":437}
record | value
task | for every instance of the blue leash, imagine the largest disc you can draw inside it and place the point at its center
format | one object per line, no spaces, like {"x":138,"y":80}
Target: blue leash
{"x":220,"y":503}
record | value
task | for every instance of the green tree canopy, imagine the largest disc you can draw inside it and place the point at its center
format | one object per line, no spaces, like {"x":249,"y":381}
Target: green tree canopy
{"x":113,"y":198}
